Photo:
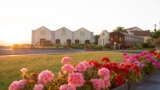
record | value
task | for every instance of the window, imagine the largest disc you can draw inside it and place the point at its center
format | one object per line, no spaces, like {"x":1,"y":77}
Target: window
{"x":82,"y":33}
{"x":42,"y":32}
{"x":125,"y":38}
{"x":103,"y":35}
{"x":63,"y":32}
{"x":115,"y":36}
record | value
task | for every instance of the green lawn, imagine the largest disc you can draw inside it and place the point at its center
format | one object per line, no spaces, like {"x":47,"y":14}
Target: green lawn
{"x":10,"y":66}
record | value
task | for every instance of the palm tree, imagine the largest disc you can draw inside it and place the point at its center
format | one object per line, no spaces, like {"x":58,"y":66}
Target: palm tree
{"x":120,"y":29}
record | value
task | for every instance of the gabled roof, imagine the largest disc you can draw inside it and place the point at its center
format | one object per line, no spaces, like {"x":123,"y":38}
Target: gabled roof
{"x":42,"y":27}
{"x":105,"y":31}
{"x":130,"y":35}
{"x":82,"y":28}
{"x":63,"y":28}
{"x":142,"y":33}
{"x":128,"y":29}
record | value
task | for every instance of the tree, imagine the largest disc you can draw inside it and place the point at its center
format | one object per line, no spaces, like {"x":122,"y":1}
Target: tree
{"x":120,"y":29}
{"x":155,"y":38}
{"x":156,"y":42}
{"x":96,"y":39}
{"x":155,"y":34}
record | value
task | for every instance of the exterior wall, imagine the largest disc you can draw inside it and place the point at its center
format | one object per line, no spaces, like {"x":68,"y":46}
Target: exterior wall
{"x":38,"y":35}
{"x":53,"y":36}
{"x":87,"y":36}
{"x":33,"y":36}
{"x":63,"y":38}
{"x":146,"y":38}
{"x":92,"y":37}
{"x":72,"y":37}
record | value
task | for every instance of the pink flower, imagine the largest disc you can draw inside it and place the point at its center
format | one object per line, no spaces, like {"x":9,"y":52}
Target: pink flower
{"x":104,"y":72}
{"x":14,"y":86}
{"x":38,"y":87}
{"x":66,"y":60}
{"x":124,"y":54}
{"x":17,"y":85}
{"x":22,"y":83}
{"x":76,"y":79}
{"x":86,"y":63}
{"x":23,"y":70}
{"x":148,"y":60}
{"x":107,"y":83}
{"x":81,"y":67}
{"x":98,"y":84}
{"x":45,"y":76}
{"x":67,"y":68}
{"x":67,"y":87}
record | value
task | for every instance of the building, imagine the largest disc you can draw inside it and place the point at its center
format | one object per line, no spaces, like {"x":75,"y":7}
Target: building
{"x":123,"y":40}
{"x":61,"y":36}
{"x":103,"y":38}
{"x":136,"y":31}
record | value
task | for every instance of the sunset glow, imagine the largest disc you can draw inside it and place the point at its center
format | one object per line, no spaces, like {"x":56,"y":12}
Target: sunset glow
{"x":19,"y":17}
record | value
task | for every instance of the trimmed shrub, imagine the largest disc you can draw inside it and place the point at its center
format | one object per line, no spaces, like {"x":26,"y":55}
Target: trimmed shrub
{"x":107,"y":45}
{"x":99,"y":47}
{"x":145,"y":45}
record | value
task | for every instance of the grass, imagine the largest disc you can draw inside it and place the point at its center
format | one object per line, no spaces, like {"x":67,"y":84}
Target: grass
{"x":10,"y":66}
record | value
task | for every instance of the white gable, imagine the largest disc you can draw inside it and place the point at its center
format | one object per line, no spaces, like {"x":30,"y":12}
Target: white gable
{"x":104,"y":38}
{"x":63,"y":34}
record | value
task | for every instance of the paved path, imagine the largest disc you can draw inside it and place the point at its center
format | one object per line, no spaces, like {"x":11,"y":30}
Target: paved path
{"x":35,"y":52}
{"x":152,"y":83}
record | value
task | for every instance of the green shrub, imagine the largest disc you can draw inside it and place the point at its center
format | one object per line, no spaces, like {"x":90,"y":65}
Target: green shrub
{"x":77,"y":46}
{"x":137,"y":45}
{"x":107,"y":45}
{"x":47,"y":43}
{"x":57,"y":45}
{"x":32,"y":46}
{"x":145,"y":45}
{"x":99,"y":47}
{"x":91,"y":45}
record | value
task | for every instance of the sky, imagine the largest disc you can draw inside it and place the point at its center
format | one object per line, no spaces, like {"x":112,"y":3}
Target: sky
{"x":19,"y":17}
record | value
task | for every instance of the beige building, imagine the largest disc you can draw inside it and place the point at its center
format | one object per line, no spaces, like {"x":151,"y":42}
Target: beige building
{"x":103,"y":38}
{"x":136,"y":31}
{"x":61,"y":36}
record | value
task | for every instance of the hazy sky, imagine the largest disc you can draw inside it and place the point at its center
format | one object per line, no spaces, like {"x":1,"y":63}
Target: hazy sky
{"x":19,"y":17}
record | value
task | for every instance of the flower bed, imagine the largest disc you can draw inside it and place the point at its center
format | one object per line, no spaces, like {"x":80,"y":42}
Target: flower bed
{"x":93,"y":75}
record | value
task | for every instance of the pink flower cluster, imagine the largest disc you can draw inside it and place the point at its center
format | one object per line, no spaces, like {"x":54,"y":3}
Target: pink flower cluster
{"x":23,"y":70}
{"x":67,"y":68}
{"x":76,"y":79}
{"x":133,"y":59}
{"x":18,"y":85}
{"x":81,"y":67}
{"x":87,"y":64}
{"x":67,"y":87}
{"x":66,"y":60}
{"x":45,"y":76}
{"x":38,"y":87}
{"x":98,"y":84}
{"x":105,"y":73}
